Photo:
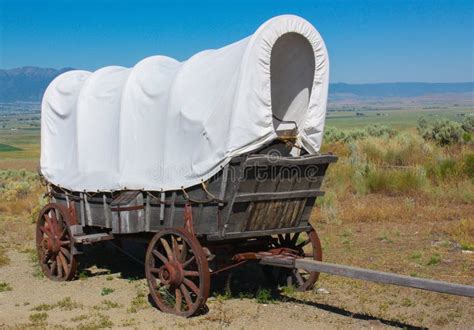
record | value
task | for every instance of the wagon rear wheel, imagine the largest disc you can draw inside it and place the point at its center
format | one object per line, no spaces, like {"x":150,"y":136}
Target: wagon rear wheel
{"x":177,"y":272}
{"x":54,"y":243}
{"x":306,"y":245}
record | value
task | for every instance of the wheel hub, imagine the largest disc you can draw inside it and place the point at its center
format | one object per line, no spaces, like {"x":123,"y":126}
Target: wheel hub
{"x":51,"y":245}
{"x":171,"y":274}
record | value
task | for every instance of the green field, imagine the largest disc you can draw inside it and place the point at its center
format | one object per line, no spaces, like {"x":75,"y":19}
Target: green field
{"x":19,"y":140}
{"x":6,"y":148}
{"x":398,"y":119}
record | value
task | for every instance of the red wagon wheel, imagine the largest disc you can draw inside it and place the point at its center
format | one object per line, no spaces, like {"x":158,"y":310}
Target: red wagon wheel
{"x":54,"y":243}
{"x":305,"y":245}
{"x":177,"y":272}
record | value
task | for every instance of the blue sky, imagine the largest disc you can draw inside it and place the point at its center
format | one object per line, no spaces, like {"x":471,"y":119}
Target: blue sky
{"x":368,"y":41}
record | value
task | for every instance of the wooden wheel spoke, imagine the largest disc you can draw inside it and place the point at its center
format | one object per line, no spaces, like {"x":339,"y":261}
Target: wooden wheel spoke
{"x":179,"y":299}
{"x":59,"y":267}
{"x":287,"y":238}
{"x":155,"y":270}
{"x":49,"y":222}
{"x":175,"y":248}
{"x":190,"y":284}
{"x":294,"y":239}
{"x":184,"y":252}
{"x":46,"y":231}
{"x":66,"y":253}
{"x":298,"y":276}
{"x":53,"y":268}
{"x":303,"y":244}
{"x":187,"y":296}
{"x":63,"y":263}
{"x":280,"y":239}
{"x":63,"y":233}
{"x":54,"y":221}
{"x":189,"y":261}
{"x":46,"y":257}
{"x":162,"y":258}
{"x":191,"y":273}
{"x":168,"y":250}
{"x":64,"y":243}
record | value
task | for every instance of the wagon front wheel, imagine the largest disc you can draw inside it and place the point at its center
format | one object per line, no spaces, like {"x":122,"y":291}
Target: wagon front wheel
{"x":177,"y":272}
{"x":305,"y":245}
{"x":55,"y":244}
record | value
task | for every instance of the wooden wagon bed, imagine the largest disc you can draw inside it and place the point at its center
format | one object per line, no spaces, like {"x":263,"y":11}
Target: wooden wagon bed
{"x":257,"y":203}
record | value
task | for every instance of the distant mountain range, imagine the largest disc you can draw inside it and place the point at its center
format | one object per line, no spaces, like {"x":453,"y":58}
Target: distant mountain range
{"x":400,"y":89}
{"x":28,"y":84}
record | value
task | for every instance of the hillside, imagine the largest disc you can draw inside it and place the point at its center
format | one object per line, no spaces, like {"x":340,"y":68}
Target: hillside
{"x":26,"y":84}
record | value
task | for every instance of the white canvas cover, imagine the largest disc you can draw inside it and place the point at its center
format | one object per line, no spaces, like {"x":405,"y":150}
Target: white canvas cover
{"x":164,"y":124}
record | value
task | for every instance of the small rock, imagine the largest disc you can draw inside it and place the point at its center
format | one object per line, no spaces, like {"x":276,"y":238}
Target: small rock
{"x":323,"y":290}
{"x":467,"y":251}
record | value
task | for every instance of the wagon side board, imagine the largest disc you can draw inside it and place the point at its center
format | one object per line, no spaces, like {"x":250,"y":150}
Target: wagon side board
{"x":251,"y":196}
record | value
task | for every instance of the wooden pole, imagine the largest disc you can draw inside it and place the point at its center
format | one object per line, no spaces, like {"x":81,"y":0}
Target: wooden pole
{"x":375,"y":276}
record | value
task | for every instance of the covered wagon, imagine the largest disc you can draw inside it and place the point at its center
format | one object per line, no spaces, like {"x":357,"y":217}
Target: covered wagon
{"x":214,"y":161}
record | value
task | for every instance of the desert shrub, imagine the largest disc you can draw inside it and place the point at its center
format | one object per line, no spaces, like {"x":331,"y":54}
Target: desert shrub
{"x":338,"y":177}
{"x":332,"y":134}
{"x":329,"y":207}
{"x":372,"y":150}
{"x":467,"y":137}
{"x":469,"y":165}
{"x":468,"y":124}
{"x":359,"y":165}
{"x":443,"y":132}
{"x":422,"y":124}
{"x":15,"y":184}
{"x":395,"y":180}
{"x":354,"y":135}
{"x":380,"y":131}
{"x":36,"y":209}
{"x":405,"y":149}
{"x":442,"y":168}
{"x":448,"y":167}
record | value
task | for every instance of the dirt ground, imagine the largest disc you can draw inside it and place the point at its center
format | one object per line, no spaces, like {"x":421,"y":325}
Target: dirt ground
{"x":111,"y":292}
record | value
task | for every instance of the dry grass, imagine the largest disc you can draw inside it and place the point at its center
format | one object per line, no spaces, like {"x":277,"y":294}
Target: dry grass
{"x":18,"y":164}
{"x":402,"y":178}
{"x":463,"y":233}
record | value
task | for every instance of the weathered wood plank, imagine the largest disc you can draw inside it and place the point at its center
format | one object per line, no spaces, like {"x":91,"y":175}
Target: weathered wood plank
{"x":173,"y":209}
{"x":257,"y":233}
{"x":256,"y":197}
{"x":265,"y":160}
{"x":383,"y":277}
